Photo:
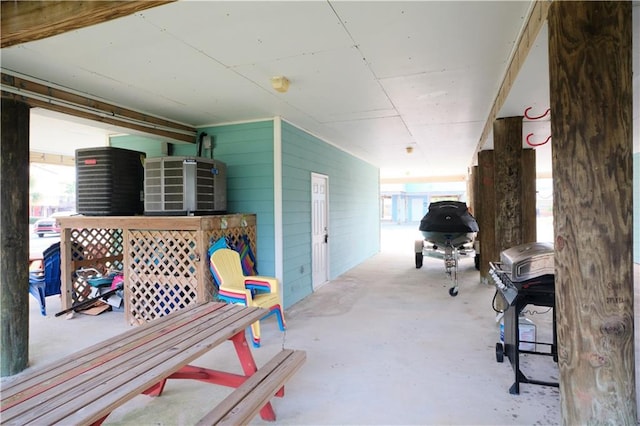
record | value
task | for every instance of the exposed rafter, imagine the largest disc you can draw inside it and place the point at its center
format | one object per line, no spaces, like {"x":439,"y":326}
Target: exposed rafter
{"x":422,"y":179}
{"x":24,"y":21}
{"x":46,"y":158}
{"x":37,"y":94}
{"x":536,"y":19}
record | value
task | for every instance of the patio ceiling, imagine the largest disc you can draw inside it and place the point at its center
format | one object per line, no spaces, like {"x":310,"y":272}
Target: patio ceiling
{"x":369,"y":77}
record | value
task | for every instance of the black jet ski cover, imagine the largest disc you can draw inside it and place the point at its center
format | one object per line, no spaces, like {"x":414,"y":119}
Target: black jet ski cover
{"x":448,"y":216}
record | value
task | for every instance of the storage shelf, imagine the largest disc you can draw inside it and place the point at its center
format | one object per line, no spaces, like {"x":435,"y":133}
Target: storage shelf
{"x":164,"y":258}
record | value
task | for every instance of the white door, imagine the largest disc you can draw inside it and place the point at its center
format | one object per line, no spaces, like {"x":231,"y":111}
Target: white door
{"x":320,"y":231}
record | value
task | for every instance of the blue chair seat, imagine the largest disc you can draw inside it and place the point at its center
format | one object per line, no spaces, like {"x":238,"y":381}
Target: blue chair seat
{"x":46,"y":281}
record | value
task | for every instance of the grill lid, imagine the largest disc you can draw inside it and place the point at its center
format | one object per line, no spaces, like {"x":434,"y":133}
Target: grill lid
{"x":528,"y":261}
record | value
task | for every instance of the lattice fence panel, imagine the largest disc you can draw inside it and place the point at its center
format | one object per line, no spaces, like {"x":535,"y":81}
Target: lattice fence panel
{"x":96,"y":248}
{"x":163,"y":273}
{"x":234,"y":235}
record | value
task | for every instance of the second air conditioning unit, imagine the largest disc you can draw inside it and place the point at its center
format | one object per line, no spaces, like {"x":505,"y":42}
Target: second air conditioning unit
{"x":184,"y":186}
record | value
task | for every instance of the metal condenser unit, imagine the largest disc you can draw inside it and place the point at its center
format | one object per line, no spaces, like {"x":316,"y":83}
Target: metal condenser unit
{"x":109,"y":181}
{"x":184,"y":186}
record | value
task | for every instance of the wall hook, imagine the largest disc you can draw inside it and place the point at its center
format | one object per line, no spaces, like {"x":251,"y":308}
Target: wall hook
{"x":536,"y":143}
{"x":526,"y":114}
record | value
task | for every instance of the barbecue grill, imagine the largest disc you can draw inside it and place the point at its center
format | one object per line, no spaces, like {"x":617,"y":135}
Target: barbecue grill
{"x":524,"y":276}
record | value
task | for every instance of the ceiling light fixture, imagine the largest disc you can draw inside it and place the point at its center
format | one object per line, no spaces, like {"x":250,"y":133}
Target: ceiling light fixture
{"x":280,"y":84}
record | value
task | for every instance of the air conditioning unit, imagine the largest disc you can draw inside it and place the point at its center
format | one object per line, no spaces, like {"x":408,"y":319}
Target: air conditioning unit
{"x":184,"y":186}
{"x":109,"y":181}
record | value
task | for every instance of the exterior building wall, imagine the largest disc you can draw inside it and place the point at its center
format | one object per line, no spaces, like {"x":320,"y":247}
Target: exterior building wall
{"x":248,"y":151}
{"x":354,"y":209}
{"x":410,"y":202}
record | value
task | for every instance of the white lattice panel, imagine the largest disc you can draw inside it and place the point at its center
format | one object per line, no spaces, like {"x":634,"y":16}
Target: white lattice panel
{"x":100,"y":249}
{"x":164,"y":259}
{"x":162,"y":276}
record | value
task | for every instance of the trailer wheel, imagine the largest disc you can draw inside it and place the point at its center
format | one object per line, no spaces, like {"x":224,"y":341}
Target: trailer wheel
{"x":419,"y":258}
{"x":499,"y":352}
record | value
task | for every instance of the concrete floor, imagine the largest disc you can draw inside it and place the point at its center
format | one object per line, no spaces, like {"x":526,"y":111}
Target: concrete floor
{"x":385,"y":343}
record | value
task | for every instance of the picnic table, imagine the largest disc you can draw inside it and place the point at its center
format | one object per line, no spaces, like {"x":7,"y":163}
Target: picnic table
{"x":85,"y":387}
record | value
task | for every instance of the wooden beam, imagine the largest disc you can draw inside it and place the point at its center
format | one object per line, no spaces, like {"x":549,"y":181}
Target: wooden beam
{"x":485,"y":212}
{"x":429,"y":179}
{"x":24,"y":21}
{"x":46,"y":158}
{"x":423,"y":179}
{"x":537,"y":17}
{"x":36,"y":94}
{"x":507,"y":175}
{"x":591,"y":88}
{"x":14,"y":238}
{"x":529,"y":217}
{"x":472,"y":188}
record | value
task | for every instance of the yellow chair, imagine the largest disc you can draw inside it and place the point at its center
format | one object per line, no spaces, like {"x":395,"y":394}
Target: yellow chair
{"x":255,"y":290}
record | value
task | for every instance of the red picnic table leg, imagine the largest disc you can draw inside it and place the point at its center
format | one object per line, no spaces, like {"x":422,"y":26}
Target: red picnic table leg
{"x":156,"y":390}
{"x":100,"y":421}
{"x":222,"y":378}
{"x":249,"y":367}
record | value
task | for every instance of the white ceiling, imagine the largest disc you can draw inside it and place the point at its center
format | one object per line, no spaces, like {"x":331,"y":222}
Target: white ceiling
{"x":370,"y":77}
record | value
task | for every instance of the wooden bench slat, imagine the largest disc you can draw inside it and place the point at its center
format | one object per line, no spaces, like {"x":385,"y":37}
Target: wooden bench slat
{"x":150,"y":373}
{"x":103,"y":380}
{"x":143,"y":370}
{"x":244,"y":403}
{"x":251,"y":405}
{"x":26,"y":380}
{"x":223,"y":408}
{"x":78,"y":363}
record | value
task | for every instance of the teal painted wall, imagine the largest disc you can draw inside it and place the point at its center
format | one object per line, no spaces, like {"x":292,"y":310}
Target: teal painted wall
{"x":354,"y":212}
{"x":247,"y":150}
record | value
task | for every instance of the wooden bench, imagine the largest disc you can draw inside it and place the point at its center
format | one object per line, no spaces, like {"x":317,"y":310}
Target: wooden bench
{"x":245,"y":402}
{"x":85,"y":387}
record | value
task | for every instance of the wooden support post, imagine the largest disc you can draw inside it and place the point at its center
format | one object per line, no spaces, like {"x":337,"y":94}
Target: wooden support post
{"x":486,"y":213}
{"x":590,"y":69}
{"x":507,"y":144}
{"x":14,"y":238}
{"x":472,"y":181}
{"x":528,"y":197}
{"x":514,"y":186}
{"x":473,"y":189}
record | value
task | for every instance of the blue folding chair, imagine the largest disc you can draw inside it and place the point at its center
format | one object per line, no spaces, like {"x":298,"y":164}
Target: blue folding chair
{"x":46,"y":281}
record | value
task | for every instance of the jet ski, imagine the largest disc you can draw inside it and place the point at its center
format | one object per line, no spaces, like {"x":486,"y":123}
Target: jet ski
{"x":448,"y":223}
{"x":449,"y":231}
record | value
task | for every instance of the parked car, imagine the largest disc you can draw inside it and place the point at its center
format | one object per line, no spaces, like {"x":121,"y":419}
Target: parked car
{"x":49,"y":224}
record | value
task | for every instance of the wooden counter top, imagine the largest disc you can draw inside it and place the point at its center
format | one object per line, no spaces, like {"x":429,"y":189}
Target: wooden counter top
{"x":158,"y":222}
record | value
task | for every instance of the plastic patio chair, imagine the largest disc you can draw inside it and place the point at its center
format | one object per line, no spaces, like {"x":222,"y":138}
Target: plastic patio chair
{"x":45,"y":281}
{"x":256,"y":290}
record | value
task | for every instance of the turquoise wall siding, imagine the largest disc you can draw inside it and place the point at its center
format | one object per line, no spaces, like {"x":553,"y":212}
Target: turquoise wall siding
{"x":247,"y":150}
{"x":396,"y":200}
{"x":354,"y":211}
